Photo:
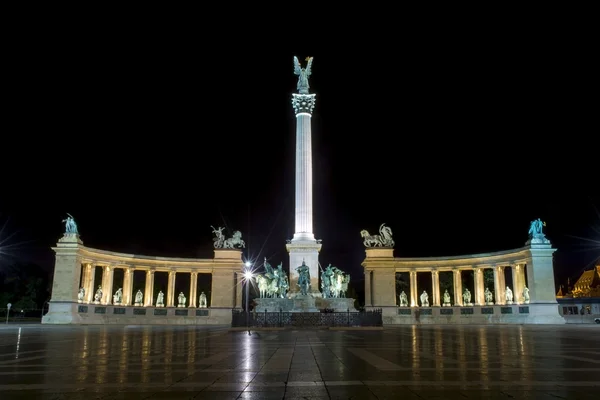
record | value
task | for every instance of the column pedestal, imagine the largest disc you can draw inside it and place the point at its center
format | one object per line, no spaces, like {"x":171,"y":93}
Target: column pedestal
{"x":304,"y":251}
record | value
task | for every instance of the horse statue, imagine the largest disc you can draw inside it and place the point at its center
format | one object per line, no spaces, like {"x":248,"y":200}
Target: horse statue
{"x":235,"y":241}
{"x":384,"y":239}
{"x":263,"y":285}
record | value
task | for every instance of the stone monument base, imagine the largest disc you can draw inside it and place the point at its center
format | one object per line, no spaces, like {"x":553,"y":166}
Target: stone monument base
{"x":306,"y":303}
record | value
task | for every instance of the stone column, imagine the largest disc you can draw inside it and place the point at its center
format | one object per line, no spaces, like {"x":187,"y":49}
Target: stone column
{"x":368,"y":292}
{"x":458,"y":300}
{"x":435,"y":287}
{"x":193,"y":289}
{"x":149,"y":289}
{"x":518,"y":283}
{"x":499,"y":285}
{"x":413,"y":289}
{"x":108,"y":289}
{"x":127,"y":286}
{"x":239,"y":282}
{"x":171,"y":289}
{"x":479,"y":287}
{"x":89,"y":289}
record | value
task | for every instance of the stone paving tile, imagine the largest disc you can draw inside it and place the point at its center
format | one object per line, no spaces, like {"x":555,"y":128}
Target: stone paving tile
{"x":408,"y":362}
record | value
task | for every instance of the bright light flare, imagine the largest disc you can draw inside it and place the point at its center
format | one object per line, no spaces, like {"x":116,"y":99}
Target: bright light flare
{"x":248,"y":274}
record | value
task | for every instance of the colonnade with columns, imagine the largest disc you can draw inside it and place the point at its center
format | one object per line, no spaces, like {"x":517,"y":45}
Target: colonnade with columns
{"x":531,"y":267}
{"x":478,"y":290}
{"x":76,"y":265}
{"x":89,"y":284}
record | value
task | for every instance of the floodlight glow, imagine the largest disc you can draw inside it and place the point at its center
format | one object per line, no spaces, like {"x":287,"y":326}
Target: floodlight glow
{"x":248,"y":275}
{"x":248,"y":264}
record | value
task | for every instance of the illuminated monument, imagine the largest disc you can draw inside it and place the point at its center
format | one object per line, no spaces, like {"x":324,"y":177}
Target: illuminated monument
{"x":303,"y":247}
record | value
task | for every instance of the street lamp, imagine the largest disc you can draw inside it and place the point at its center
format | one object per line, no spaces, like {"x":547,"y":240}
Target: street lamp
{"x":248,"y":275}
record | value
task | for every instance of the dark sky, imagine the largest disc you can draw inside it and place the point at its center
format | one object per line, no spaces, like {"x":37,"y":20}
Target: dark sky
{"x":456,"y":145}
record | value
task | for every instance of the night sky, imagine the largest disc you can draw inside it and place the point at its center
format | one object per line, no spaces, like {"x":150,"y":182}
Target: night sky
{"x":455,"y":147}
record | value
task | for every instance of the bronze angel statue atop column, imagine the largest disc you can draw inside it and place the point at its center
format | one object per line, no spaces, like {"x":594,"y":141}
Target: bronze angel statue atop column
{"x":303,"y":74}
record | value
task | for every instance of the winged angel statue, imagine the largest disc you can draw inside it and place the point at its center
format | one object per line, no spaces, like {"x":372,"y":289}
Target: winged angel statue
{"x":303,"y":74}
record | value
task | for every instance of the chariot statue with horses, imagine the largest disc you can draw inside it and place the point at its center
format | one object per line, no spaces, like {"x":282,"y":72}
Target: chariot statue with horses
{"x":384,"y":239}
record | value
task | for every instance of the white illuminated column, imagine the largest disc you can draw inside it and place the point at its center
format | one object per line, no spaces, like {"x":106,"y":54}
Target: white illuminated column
{"x":303,"y":247}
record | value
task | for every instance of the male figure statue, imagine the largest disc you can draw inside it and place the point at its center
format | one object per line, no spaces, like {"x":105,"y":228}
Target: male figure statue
{"x":160,"y":299}
{"x":447,"y":299}
{"x":509,"y":296}
{"x":424,"y":299}
{"x":526,"y":295}
{"x":139,"y":296}
{"x":202,"y":300}
{"x":403,"y":299}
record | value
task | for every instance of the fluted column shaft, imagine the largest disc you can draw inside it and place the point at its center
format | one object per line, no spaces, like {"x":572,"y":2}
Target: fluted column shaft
{"x":435,"y":286}
{"x":148,"y":301}
{"x":304,"y":184}
{"x":518,"y":283}
{"x":499,"y":285}
{"x":458,"y":300}
{"x":171,"y":289}
{"x":413,"y":289}
{"x":479,"y":287}
{"x":89,"y":289}
{"x":193,"y":289}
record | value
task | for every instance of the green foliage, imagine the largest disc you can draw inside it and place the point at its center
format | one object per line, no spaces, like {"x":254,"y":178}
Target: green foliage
{"x":25,"y":286}
{"x":446,"y":283}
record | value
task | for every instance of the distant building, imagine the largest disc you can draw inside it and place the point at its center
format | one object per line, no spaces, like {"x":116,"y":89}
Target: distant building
{"x":584,"y":297}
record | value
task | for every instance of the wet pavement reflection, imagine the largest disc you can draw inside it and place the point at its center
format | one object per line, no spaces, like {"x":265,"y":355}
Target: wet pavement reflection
{"x":408,"y":362}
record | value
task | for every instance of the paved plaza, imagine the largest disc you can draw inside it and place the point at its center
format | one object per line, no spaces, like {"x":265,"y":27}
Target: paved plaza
{"x":408,"y":362}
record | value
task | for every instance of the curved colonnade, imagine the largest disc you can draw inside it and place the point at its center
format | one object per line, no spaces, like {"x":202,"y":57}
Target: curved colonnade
{"x":76,"y":267}
{"x":531,"y":267}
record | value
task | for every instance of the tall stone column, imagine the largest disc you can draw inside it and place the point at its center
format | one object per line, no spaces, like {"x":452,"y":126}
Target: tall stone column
{"x":303,"y":247}
{"x":368,"y":285}
{"x":458,"y":300}
{"x":171,"y":289}
{"x":149,"y":289}
{"x":107,"y":288}
{"x":89,"y":289}
{"x":128,"y":286}
{"x":479,"y":287}
{"x":435,"y":285}
{"x":239,"y":285}
{"x":413,"y":289}
{"x":518,"y":283}
{"x":65,"y":282}
{"x":193,"y":289}
{"x":499,"y":285}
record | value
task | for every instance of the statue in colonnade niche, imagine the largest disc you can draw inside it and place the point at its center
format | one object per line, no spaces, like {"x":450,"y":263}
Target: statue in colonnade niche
{"x":80,"y":295}
{"x":447,"y":299}
{"x":118,"y":297}
{"x":98,"y":295}
{"x":509,"y":296}
{"x":139,"y":297}
{"x":489,"y":298}
{"x":202,"y":301}
{"x":526,"y":295}
{"x":424,"y":299}
{"x":181,"y":300}
{"x":403,"y":299}
{"x":160,"y":299}
{"x":467,"y":297}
